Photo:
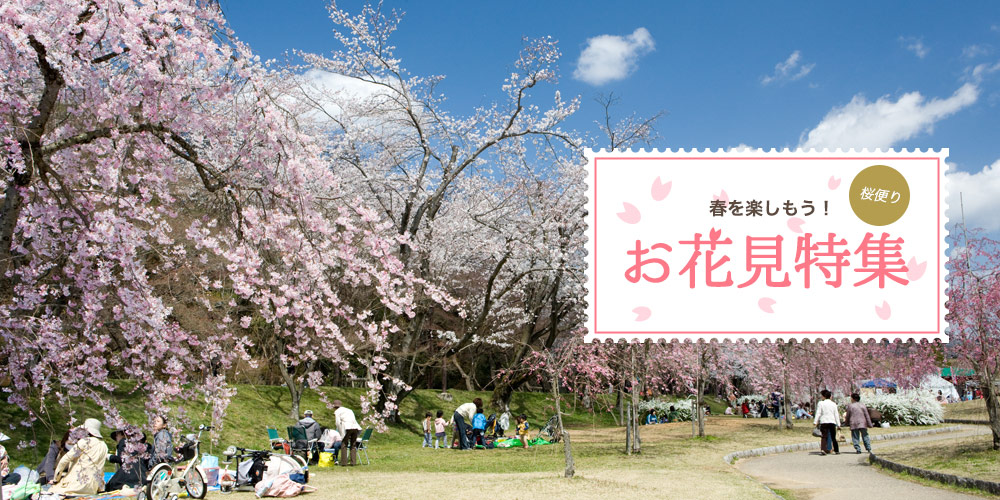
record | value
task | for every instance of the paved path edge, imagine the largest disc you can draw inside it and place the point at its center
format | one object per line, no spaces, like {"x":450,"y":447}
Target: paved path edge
{"x":964,"y":421}
{"x":814,"y":445}
{"x":941,"y":477}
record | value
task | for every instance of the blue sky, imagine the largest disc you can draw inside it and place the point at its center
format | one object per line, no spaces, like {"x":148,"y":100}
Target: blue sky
{"x":901,"y":74}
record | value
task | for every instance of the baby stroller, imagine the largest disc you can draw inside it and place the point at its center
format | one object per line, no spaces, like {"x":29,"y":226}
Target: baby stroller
{"x":550,"y":432}
{"x":253,"y":466}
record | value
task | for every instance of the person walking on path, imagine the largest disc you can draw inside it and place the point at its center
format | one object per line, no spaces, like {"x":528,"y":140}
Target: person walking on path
{"x":859,"y":420}
{"x":348,"y":427}
{"x":463,"y":418}
{"x":828,"y":419}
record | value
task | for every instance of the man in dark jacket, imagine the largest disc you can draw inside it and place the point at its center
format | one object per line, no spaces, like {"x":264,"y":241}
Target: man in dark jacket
{"x":859,"y":420}
{"x":311,"y":426}
{"x":313,"y":432}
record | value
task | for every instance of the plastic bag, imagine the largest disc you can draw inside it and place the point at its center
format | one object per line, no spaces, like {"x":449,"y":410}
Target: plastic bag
{"x":325,"y":459}
{"x":25,"y":491}
{"x":209,"y":461}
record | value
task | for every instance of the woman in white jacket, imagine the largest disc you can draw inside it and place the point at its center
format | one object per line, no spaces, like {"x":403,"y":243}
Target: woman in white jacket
{"x":827,"y":419}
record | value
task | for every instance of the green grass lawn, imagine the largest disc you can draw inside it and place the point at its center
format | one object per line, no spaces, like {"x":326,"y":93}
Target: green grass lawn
{"x":969,"y":457}
{"x":967,"y":410}
{"x":672,"y":464}
{"x":255,"y":407}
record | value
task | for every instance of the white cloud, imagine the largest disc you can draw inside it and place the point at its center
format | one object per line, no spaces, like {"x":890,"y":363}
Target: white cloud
{"x":981,"y":195}
{"x":915,"y":45}
{"x":880,"y":124}
{"x":977,"y":72}
{"x":975,"y":50}
{"x":741,"y":148}
{"x":788,"y":70}
{"x":611,"y":57}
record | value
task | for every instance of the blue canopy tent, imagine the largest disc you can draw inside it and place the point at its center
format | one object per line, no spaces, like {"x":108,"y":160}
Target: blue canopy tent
{"x":878,"y":382}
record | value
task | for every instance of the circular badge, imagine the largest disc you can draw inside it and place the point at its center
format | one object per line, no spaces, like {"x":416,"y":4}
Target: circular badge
{"x":879,"y":195}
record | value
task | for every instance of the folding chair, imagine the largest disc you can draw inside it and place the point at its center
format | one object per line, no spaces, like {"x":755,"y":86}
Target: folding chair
{"x":276,"y":441}
{"x":296,"y":437}
{"x":362,"y":443}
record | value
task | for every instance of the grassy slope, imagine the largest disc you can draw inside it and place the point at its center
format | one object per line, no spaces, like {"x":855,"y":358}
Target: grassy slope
{"x":255,"y":407}
{"x":969,"y":457}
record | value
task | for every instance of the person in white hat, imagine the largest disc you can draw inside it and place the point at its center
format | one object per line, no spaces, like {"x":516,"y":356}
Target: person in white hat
{"x":6,"y":476}
{"x":81,"y":470}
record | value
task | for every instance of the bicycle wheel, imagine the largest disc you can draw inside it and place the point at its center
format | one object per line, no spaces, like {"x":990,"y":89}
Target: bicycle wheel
{"x":158,"y":487}
{"x":194,"y":483}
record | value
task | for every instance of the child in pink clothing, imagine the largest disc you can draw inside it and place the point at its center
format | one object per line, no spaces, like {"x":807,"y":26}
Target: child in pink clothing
{"x":439,"y":426}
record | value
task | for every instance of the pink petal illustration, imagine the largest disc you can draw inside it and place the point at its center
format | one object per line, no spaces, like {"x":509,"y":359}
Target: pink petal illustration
{"x":833,"y":183}
{"x":883,"y":312}
{"x":630,"y":215}
{"x":765,"y":304}
{"x":795,"y":224}
{"x":642,"y":313}
{"x":660,"y":190}
{"x":722,"y":196}
{"x":913,"y":270}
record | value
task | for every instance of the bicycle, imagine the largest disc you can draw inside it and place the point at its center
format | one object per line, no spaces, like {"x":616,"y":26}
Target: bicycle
{"x":163,"y":484}
{"x":249,"y":475}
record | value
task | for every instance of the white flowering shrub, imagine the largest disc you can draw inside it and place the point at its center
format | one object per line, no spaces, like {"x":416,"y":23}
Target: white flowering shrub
{"x":913,"y":407}
{"x":662,"y":406}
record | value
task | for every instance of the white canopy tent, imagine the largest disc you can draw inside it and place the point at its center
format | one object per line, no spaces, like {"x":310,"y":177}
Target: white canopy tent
{"x":935,"y":383}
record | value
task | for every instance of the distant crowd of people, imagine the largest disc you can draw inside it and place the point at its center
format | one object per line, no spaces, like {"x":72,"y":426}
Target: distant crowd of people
{"x":469,"y":427}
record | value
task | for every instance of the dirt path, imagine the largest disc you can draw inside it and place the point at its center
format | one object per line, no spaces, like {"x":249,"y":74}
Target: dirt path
{"x":848,"y":475}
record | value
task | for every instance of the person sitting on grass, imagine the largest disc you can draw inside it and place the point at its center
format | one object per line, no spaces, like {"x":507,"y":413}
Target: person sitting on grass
{"x":81,"y":470}
{"x":651,"y":418}
{"x":163,"y":442}
{"x":313,"y":432}
{"x":672,"y":414}
{"x":478,"y":428}
{"x":6,"y":476}
{"x":131,"y":469}
{"x":803,"y":412}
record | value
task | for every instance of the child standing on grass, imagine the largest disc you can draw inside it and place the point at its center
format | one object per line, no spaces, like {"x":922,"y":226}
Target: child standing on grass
{"x":478,"y":427}
{"x":428,"y":428}
{"x":522,"y":429}
{"x":439,"y":426}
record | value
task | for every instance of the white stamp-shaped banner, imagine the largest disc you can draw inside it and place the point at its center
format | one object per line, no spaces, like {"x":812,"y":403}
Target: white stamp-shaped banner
{"x":755,"y":245}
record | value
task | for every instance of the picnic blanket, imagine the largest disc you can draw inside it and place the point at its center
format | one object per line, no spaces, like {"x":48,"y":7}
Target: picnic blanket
{"x":516,"y":443}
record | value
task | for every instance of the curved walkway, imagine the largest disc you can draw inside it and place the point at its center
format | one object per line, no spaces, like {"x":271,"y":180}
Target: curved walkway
{"x":848,"y":475}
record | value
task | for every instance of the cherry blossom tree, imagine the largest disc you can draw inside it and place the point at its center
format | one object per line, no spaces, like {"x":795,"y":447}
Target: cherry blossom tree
{"x":420,"y":164}
{"x":802,"y":369}
{"x":974,"y":314}
{"x":159,"y":199}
